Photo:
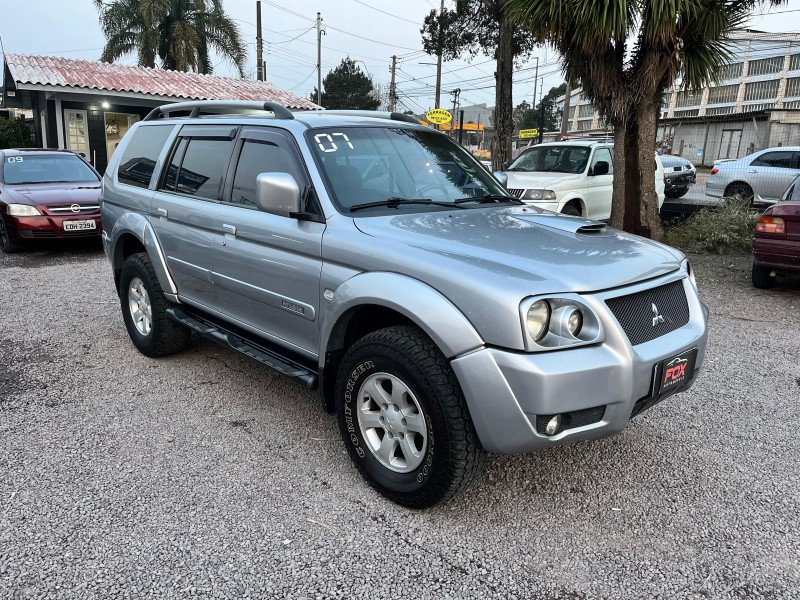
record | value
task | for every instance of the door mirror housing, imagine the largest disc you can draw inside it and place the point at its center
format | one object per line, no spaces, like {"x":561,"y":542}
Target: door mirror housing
{"x":502,"y":178}
{"x":600,"y":168}
{"x":277,"y":193}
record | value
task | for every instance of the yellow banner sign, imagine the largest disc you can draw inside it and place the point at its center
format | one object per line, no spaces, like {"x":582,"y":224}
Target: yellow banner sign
{"x":438,"y":116}
{"x":467,"y":127}
{"x":526,"y":134}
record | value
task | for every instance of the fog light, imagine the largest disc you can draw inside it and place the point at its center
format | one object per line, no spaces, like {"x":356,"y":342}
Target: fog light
{"x":553,"y":425}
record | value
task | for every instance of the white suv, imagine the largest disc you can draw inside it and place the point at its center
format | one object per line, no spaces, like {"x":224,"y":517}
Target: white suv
{"x":572,"y":177}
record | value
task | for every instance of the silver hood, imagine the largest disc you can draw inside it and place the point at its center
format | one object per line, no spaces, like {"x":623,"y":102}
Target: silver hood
{"x":539,"y":251}
{"x":487,"y":260}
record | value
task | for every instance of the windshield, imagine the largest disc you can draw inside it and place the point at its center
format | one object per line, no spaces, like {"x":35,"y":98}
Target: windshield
{"x":555,"y":159}
{"x":376,"y":164}
{"x":52,"y":168}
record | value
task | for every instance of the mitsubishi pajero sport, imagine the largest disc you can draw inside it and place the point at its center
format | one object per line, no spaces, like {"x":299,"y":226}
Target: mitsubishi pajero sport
{"x":376,"y":261}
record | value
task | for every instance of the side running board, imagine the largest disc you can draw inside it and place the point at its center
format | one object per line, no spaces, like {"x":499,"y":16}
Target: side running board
{"x":265,"y":356}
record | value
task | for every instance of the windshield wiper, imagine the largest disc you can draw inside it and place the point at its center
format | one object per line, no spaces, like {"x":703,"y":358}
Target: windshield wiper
{"x":394,"y":202}
{"x":489,"y":198}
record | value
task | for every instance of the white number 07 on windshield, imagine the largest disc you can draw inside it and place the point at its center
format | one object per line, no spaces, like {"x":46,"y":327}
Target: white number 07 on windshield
{"x":326,"y":143}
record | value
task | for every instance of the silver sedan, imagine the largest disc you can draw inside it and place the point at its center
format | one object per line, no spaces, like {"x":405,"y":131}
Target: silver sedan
{"x":762,"y":176}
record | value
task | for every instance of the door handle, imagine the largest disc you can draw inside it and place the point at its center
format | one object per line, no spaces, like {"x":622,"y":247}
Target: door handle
{"x":161,"y":212}
{"x":229,"y":229}
{"x":752,"y":171}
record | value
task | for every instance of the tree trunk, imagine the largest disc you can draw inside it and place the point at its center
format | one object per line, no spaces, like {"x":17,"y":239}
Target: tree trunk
{"x":649,"y":218}
{"x":503,"y":117}
{"x":618,"y":189}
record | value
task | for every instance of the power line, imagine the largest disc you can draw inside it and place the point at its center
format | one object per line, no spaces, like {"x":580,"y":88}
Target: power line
{"x":386,"y":13}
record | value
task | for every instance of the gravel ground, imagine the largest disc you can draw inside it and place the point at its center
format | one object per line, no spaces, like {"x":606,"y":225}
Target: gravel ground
{"x":205,"y":475}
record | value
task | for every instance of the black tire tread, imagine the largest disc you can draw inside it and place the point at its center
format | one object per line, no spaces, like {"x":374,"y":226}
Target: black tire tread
{"x":761,"y":277}
{"x":10,"y":246}
{"x":170,"y":336}
{"x":410,"y":346}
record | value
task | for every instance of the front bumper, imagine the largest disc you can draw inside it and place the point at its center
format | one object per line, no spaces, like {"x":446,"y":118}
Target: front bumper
{"x":50,"y":227}
{"x":506,"y":391}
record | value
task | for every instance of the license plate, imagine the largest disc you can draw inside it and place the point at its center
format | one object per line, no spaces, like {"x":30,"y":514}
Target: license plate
{"x":676,"y":371}
{"x":79,"y":225}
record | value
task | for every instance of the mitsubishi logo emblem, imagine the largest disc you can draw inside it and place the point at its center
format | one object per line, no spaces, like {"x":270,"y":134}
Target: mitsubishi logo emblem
{"x":657,"y":318}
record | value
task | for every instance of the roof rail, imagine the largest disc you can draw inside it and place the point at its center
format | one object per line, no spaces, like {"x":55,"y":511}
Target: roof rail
{"x":219,"y":107}
{"x":377,"y":114}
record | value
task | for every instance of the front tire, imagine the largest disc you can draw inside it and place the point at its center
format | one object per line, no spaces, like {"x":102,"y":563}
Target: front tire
{"x":7,"y":243}
{"x":404,"y":418}
{"x":571,"y":210}
{"x":144,"y":310}
{"x":761,"y":277}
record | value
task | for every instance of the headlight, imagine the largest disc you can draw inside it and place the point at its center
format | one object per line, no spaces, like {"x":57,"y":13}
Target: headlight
{"x":539,"y":195}
{"x":557,"y":322}
{"x":538,"y":319}
{"x":22,"y":210}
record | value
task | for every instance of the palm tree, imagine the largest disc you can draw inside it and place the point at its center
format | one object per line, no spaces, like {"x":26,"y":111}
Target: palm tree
{"x":179,"y":33}
{"x":625,"y":54}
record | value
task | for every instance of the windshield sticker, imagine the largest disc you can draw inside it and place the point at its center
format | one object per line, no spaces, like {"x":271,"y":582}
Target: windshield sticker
{"x":14,"y":159}
{"x":326,"y":143}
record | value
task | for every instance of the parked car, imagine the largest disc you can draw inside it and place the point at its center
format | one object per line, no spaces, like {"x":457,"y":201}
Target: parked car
{"x":573,"y":177}
{"x":679,"y":175}
{"x":762,"y":176}
{"x":438,"y":316}
{"x":45,"y":195}
{"x":776,"y":242}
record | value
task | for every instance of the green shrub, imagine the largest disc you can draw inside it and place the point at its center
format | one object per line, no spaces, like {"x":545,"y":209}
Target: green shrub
{"x":723,"y":229}
{"x":14,"y":133}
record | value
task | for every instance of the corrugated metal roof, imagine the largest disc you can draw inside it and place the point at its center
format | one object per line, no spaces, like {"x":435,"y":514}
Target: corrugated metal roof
{"x":95,"y":75}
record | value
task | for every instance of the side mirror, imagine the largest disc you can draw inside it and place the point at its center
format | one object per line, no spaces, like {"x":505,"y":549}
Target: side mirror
{"x":506,"y":165}
{"x":277,"y":193}
{"x":502,"y":178}
{"x":600,"y":168}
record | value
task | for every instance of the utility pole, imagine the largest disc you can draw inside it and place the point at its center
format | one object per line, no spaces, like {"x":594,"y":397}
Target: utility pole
{"x":319,"y":59}
{"x":259,"y":44}
{"x":535,"y":79}
{"x":456,"y":93}
{"x":392,"y":87}
{"x":565,"y":112}
{"x":439,"y":62}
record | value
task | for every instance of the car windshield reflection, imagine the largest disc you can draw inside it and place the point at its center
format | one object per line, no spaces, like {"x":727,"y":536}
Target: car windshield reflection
{"x":378,"y":167}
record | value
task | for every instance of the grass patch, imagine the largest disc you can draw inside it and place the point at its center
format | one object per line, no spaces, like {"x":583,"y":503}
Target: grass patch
{"x":723,"y":229}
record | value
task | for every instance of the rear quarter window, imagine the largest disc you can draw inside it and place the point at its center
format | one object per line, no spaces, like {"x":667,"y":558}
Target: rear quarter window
{"x":141,"y":153}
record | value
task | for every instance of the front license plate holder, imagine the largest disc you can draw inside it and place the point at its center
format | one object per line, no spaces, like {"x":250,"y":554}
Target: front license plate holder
{"x":674,"y":372}
{"x":85,"y":225}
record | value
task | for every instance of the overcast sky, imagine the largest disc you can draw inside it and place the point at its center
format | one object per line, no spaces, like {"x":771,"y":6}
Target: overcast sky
{"x":370,"y":31}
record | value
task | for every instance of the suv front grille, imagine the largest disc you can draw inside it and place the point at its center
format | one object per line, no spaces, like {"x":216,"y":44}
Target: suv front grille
{"x":516,"y":192}
{"x":640,"y":320}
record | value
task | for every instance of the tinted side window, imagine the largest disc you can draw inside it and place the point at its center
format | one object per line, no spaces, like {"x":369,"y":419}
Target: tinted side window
{"x":784,"y":159}
{"x":201,"y":168}
{"x":141,"y":154}
{"x":259,"y":156}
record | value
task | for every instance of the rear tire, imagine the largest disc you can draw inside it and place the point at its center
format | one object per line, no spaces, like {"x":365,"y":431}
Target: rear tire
{"x":7,"y":243}
{"x":144,"y":310}
{"x":761,"y":277}
{"x":404,"y":418}
{"x":739,"y":189}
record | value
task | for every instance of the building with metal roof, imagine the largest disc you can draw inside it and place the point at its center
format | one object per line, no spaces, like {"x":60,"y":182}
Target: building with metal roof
{"x":87,"y":106}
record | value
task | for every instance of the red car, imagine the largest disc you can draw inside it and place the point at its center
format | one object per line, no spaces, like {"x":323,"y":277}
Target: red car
{"x":47,"y":194}
{"x":776,"y":245}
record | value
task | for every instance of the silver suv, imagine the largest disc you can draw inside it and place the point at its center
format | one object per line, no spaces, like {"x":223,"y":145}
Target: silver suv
{"x":375,"y":260}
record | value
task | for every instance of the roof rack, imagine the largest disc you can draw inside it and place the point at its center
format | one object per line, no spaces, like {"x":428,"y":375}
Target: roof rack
{"x":590,"y":138}
{"x":378,"y":114}
{"x":219,"y":107}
